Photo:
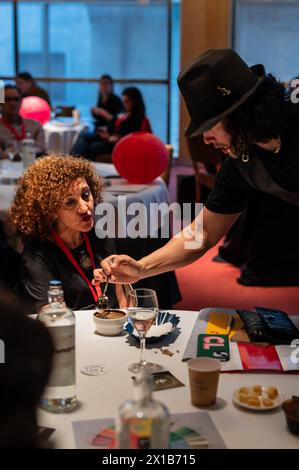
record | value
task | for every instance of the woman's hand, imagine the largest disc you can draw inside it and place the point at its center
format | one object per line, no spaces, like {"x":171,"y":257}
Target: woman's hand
{"x":97,"y":111}
{"x":121,"y":269}
{"x":101,"y":112}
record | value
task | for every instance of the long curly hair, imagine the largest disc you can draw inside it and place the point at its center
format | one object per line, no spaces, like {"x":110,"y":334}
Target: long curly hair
{"x":260,"y":118}
{"x":41,"y":189}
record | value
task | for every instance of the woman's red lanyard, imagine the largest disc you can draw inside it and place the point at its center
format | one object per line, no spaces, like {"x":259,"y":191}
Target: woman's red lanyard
{"x":11,"y":128}
{"x":96,"y":290}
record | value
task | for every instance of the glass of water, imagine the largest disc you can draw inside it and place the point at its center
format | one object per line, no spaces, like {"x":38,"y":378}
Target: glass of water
{"x":142,"y":312}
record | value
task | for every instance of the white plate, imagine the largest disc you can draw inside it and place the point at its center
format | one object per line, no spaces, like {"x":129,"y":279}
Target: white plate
{"x":276,"y":402}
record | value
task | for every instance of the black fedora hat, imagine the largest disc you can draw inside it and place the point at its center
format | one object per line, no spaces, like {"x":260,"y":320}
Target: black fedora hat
{"x":216,"y":84}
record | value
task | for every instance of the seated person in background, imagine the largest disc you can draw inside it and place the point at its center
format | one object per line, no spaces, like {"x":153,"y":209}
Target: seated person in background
{"x":108,"y":105}
{"x":53,"y":213}
{"x":28,"y":87}
{"x":24,"y":374}
{"x":132,"y":120}
{"x":13,"y":128}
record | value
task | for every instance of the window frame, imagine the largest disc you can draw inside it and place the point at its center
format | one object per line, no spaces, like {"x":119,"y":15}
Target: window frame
{"x":129,"y":80}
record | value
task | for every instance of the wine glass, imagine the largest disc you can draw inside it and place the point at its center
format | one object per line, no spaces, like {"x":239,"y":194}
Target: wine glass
{"x":142,"y":312}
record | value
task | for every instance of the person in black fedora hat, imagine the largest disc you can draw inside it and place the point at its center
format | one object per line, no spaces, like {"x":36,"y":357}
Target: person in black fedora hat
{"x":216,"y":84}
{"x":244,"y":112}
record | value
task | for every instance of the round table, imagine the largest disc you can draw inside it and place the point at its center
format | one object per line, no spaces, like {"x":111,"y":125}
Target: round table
{"x":101,"y":396}
{"x":61,"y":137}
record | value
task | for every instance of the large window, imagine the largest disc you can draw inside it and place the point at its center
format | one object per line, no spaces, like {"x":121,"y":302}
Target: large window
{"x":67,"y":45}
{"x":267,"y":31}
{"x":7,"y":63}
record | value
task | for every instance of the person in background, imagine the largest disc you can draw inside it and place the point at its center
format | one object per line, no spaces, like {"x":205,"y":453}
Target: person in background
{"x":24,"y":372}
{"x":108,"y":105}
{"x":13,"y":128}
{"x":28,"y":87}
{"x":132,"y":120}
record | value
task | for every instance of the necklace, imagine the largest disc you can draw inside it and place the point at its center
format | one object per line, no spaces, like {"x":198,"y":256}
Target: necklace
{"x":84,"y":260}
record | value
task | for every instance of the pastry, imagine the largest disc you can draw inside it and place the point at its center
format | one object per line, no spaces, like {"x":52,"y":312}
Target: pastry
{"x":254,"y":402}
{"x":244,"y":390}
{"x":268,"y":402}
{"x":272,"y":392}
{"x":257,"y":389}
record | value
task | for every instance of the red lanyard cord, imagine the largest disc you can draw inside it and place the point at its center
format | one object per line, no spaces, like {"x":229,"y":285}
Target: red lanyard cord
{"x":11,"y":128}
{"x":96,"y":290}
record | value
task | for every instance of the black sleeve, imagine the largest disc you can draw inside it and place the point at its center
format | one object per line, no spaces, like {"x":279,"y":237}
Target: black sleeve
{"x":231,"y":192}
{"x":115,"y":105}
{"x":37,"y":271}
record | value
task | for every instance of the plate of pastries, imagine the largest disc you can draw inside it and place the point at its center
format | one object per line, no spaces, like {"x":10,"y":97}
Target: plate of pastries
{"x":258,"y":398}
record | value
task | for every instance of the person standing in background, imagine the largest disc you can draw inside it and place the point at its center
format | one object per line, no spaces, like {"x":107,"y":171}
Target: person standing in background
{"x":28,"y":87}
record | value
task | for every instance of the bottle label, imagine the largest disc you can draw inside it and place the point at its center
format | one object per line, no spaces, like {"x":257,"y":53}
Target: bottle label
{"x":63,"y":370}
{"x":140,"y":433}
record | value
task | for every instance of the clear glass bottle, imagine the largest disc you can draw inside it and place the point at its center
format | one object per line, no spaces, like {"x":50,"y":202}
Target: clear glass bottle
{"x":60,"y":393}
{"x":142,"y":423}
{"x":28,"y":150}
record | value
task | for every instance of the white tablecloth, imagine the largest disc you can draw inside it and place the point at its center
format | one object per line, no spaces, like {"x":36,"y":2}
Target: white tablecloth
{"x":61,"y":138}
{"x":100,"y":396}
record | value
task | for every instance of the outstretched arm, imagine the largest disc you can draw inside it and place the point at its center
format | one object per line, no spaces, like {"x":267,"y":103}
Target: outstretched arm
{"x":185,"y":248}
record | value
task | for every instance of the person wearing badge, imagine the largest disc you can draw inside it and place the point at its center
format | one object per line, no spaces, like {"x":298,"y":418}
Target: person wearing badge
{"x":53,"y":213}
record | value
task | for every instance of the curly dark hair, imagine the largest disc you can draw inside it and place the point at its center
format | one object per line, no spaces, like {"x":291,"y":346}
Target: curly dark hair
{"x":260,"y":118}
{"x":40,"y":191}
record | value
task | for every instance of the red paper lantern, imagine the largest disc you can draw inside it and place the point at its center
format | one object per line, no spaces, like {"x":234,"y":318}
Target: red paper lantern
{"x":36,"y":108}
{"x":140,"y":157}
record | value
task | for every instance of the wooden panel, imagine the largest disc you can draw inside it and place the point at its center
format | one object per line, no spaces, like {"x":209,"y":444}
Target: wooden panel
{"x":205,"y":24}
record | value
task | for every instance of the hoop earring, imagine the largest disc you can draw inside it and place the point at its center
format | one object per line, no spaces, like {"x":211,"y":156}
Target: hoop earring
{"x":245,"y":158}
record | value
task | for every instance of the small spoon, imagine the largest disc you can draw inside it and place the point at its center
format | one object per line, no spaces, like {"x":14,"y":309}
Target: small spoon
{"x":103,"y":301}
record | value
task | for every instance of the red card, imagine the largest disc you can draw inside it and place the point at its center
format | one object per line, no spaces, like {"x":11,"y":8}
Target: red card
{"x":256,"y":357}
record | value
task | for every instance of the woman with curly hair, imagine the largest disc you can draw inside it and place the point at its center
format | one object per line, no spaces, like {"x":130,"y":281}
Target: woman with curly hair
{"x":53,"y":214}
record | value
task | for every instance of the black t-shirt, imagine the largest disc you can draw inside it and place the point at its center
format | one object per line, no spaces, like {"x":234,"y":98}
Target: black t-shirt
{"x":112,"y":105}
{"x":43,"y":261}
{"x":276,"y":174}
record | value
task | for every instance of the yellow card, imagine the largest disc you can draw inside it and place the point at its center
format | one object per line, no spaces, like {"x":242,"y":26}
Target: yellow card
{"x":218,"y":323}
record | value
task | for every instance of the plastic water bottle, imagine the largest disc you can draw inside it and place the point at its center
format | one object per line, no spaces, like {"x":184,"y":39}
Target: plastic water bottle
{"x":28,"y":150}
{"x":60,"y":393}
